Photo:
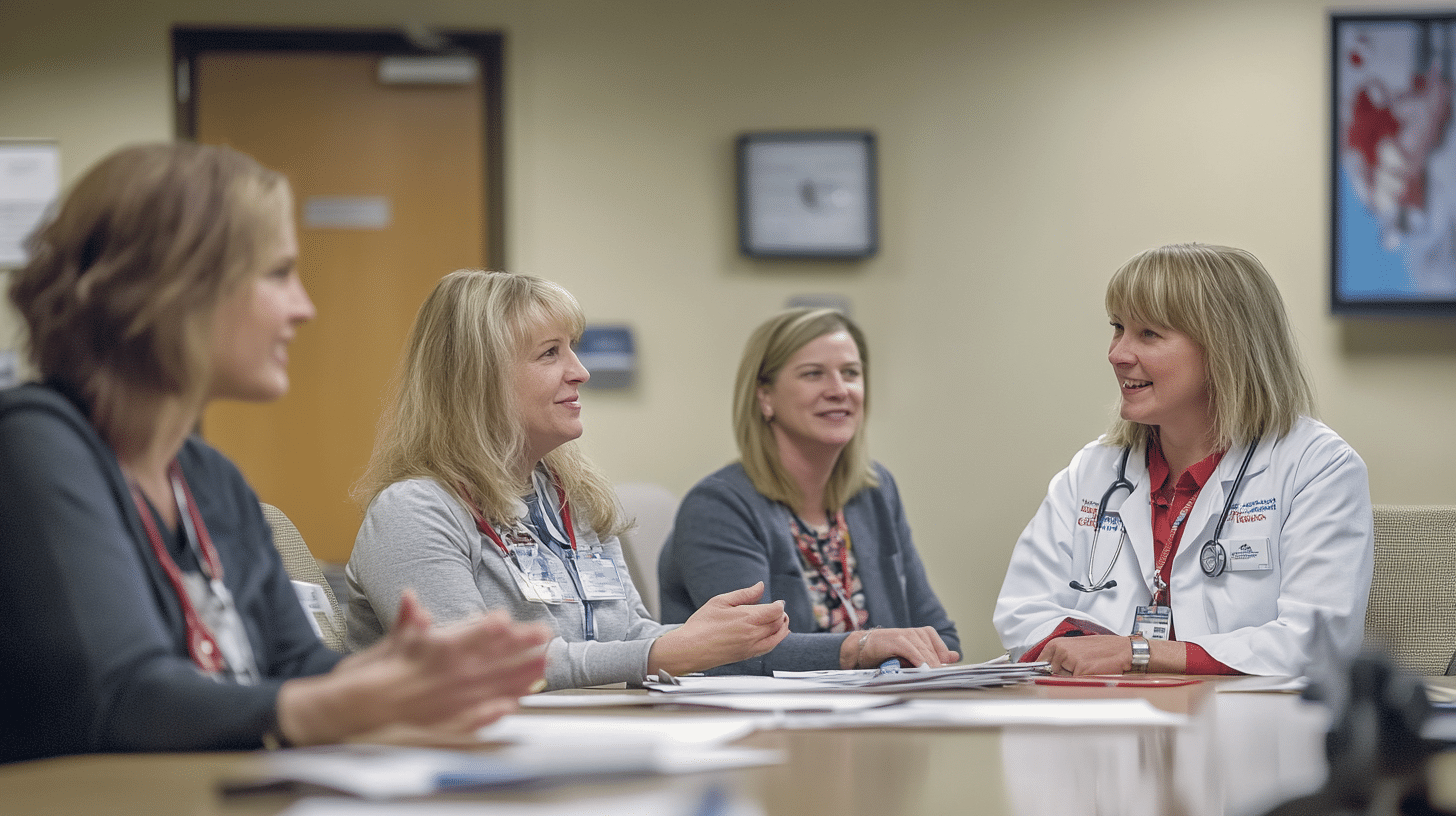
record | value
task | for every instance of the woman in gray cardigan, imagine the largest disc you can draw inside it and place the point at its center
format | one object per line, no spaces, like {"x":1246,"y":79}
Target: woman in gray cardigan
{"x":806,"y":512}
{"x":479,"y":498}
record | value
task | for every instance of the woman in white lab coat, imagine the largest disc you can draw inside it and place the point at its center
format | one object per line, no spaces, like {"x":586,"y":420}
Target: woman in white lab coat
{"x":1216,"y":528}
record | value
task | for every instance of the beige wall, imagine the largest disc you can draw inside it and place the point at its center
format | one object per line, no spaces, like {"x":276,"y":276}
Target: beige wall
{"x":1026,"y":150}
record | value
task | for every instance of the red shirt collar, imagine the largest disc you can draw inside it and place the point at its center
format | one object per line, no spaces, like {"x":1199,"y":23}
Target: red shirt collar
{"x":1199,"y":472}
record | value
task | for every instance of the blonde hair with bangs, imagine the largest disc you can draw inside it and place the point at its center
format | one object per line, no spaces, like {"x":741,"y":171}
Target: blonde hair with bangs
{"x":1224,"y":300}
{"x":768,"y":350}
{"x":455,"y":417}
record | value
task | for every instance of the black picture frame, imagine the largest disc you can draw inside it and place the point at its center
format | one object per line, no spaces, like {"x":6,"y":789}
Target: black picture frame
{"x":1393,"y":163}
{"x":808,"y":194}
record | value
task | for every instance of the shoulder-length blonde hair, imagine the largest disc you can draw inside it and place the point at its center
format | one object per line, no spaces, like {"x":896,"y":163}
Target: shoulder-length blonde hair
{"x":769,"y":349}
{"x":1224,"y":300}
{"x":455,"y":416}
{"x":122,"y":285}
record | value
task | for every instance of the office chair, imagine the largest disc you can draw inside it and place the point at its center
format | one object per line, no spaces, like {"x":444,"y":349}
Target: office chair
{"x":301,"y":566}
{"x":1412,"y":612}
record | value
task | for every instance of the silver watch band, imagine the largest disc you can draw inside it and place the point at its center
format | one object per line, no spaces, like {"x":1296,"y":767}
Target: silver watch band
{"x":1142,"y":654}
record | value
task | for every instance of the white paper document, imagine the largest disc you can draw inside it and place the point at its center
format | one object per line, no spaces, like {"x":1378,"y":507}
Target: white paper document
{"x":569,"y":729}
{"x":1255,"y":683}
{"x":388,"y":772}
{"x":682,"y":797}
{"x":995,"y":713}
{"x":958,"y":676}
{"x":814,"y":702}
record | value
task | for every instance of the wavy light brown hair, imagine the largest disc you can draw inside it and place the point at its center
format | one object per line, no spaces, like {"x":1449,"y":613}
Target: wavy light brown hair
{"x":455,"y":417}
{"x":768,"y":350}
{"x":1224,"y":300}
{"x":122,"y":285}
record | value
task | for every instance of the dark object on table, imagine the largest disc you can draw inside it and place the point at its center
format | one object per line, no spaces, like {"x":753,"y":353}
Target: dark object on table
{"x":1378,"y":758}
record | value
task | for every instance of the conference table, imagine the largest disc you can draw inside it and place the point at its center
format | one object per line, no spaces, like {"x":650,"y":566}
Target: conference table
{"x":1232,"y":754}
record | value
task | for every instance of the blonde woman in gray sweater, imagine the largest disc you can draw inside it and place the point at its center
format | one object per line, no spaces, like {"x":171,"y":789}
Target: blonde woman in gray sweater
{"x":479,"y":499}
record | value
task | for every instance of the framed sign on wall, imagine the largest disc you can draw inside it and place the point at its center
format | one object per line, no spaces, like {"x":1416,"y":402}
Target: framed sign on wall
{"x":807,"y":194}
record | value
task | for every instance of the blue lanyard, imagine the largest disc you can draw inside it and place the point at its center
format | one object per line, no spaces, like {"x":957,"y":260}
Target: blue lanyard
{"x":551,"y":535}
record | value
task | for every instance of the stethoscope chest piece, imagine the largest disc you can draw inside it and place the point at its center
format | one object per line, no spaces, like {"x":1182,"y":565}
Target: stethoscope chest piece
{"x":1212,"y":558}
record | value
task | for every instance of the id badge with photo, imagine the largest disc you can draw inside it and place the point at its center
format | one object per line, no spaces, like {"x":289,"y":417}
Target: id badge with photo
{"x":599,"y":578}
{"x":1153,"y":622}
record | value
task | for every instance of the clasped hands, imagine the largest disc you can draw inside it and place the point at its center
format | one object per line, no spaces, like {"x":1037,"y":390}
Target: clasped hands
{"x":447,"y":680}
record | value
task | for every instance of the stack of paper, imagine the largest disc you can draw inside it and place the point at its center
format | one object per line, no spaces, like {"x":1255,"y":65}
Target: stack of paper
{"x":977,"y":675}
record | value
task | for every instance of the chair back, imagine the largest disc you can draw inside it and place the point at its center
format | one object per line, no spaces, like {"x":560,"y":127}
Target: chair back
{"x":301,"y":566}
{"x":653,"y":507}
{"x":1412,"y":612}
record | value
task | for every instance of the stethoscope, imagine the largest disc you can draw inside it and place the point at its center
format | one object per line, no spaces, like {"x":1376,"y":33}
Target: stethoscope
{"x":1211,"y":557}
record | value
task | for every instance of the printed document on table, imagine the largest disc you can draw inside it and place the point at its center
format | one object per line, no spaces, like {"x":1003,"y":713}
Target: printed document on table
{"x":988,"y":713}
{"x":391,"y":772}
{"x":680,"y":796}
{"x":753,"y":701}
{"x":683,"y":729}
{"x":958,"y":676}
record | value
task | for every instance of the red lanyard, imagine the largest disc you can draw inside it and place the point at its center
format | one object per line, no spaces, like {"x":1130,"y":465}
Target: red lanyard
{"x":1160,"y":594}
{"x":517,"y":537}
{"x":201,"y":644}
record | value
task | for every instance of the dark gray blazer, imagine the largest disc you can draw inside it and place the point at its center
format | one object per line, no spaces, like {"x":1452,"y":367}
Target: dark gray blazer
{"x":728,"y":535}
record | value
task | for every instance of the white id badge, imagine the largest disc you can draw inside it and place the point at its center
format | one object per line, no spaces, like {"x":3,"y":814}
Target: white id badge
{"x":1248,"y":554}
{"x":560,"y":577}
{"x":534,"y":576}
{"x":599,"y":578}
{"x":1153,"y":622}
{"x":313,"y":600}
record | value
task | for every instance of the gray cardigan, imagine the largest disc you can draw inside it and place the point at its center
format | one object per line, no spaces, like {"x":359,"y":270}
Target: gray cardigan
{"x":416,"y":535}
{"x":728,"y":535}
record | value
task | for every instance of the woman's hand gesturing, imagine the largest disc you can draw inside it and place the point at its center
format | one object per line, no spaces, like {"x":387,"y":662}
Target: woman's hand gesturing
{"x":728,"y":628}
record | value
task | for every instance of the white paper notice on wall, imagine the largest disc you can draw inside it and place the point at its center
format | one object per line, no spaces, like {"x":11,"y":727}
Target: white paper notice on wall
{"x":347,"y":212}
{"x":30,"y":180}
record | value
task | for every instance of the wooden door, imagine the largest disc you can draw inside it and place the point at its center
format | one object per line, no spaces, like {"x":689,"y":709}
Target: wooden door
{"x":415,"y":152}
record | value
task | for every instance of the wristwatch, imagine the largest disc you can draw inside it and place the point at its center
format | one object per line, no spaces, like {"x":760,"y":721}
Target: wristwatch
{"x":1141,"y":654}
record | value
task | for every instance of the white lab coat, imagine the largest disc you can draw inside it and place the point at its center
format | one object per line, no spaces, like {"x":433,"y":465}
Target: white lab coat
{"x":1307,"y":494}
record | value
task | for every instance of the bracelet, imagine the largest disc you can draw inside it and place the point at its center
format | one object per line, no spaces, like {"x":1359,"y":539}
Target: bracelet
{"x":859,"y":649}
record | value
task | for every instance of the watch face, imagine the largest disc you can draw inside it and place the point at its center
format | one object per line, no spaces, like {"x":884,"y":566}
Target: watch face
{"x":1211,"y":557}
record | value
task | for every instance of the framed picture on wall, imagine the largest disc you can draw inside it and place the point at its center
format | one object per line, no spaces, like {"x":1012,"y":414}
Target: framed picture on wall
{"x":1393,"y":173}
{"x":807,"y":194}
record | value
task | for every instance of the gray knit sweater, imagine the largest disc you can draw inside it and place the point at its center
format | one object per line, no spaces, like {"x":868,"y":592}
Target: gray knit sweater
{"x":416,"y":535}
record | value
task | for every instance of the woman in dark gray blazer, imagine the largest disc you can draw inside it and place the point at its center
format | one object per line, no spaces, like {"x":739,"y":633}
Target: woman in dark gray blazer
{"x":806,"y":512}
